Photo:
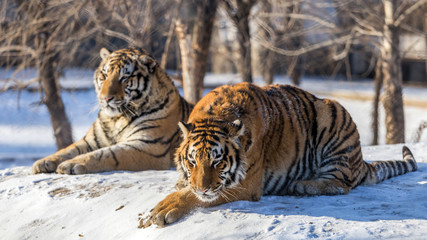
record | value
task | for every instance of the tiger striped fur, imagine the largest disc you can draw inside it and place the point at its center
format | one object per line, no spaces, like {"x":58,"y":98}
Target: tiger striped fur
{"x":244,"y":141}
{"x":136,"y":128}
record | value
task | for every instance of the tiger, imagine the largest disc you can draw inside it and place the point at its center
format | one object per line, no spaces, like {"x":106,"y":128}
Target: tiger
{"x":243,"y":141}
{"x":137,"y":124}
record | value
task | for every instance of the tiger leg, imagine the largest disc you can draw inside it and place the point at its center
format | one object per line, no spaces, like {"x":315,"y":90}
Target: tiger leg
{"x":333,"y":179}
{"x":319,"y":187}
{"x":172,"y":208}
{"x":117,"y":157}
{"x":181,"y":183}
{"x":50,"y":163}
{"x":179,"y":203}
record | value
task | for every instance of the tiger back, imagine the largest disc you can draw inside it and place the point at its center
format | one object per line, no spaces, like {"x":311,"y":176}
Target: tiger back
{"x":136,"y":127}
{"x":243,"y":141}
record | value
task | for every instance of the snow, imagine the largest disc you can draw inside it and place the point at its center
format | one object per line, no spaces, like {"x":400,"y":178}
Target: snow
{"x":108,"y":205}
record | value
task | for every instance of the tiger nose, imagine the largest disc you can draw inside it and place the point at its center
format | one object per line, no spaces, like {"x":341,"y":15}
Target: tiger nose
{"x":108,"y":98}
{"x":202,"y":190}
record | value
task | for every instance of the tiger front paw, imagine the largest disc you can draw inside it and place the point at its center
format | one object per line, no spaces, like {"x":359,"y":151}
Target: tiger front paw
{"x":169,"y":210}
{"x":71,"y":168}
{"x":45,"y":165}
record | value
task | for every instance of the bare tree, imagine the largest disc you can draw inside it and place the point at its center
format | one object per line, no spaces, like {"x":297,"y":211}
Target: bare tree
{"x":378,"y":82}
{"x":277,"y":25}
{"x":48,"y":35}
{"x":170,"y":34}
{"x":395,"y":13}
{"x":370,"y":23}
{"x":40,"y":34}
{"x":239,"y":11}
{"x":205,"y":17}
{"x":392,"y":76}
{"x":139,"y":23}
{"x":267,"y":56}
{"x":194,"y":46}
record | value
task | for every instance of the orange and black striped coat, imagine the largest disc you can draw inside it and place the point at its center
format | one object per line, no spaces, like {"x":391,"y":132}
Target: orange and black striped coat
{"x":243,"y":141}
{"x":136,"y":128}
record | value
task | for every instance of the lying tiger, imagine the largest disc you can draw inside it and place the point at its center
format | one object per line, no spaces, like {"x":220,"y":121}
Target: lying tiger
{"x":244,"y":141}
{"x":136,"y":128}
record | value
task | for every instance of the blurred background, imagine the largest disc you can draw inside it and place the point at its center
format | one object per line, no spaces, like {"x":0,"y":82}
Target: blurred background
{"x":369,"y":54}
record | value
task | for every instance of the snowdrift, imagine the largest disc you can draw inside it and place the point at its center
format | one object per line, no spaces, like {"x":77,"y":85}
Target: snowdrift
{"x":108,"y":206}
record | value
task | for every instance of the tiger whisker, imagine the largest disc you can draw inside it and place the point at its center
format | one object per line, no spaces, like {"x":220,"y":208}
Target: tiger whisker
{"x":132,"y":110}
{"x":122,"y":109}
{"x":231,"y":194}
{"x":238,"y":188}
{"x":222,"y":194}
{"x":129,"y":110}
{"x":126,"y":113}
{"x":95,"y":108}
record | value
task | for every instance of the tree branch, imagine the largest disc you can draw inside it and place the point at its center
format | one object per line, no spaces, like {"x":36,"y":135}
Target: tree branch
{"x":303,"y":50}
{"x":408,"y":11}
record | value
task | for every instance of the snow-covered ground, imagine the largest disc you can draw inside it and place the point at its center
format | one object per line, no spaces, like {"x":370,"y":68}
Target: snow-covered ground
{"x":108,"y":205}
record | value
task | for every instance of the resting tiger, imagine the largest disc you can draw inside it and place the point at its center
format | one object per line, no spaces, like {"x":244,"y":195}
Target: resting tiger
{"x":136,"y":128}
{"x":244,"y":141}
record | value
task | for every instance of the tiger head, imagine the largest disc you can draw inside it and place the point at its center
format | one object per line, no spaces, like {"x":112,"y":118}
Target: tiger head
{"x":123,"y":80}
{"x":211,"y":158}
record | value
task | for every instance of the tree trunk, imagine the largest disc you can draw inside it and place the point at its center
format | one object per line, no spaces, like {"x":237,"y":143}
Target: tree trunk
{"x":202,"y":33}
{"x":375,"y":112}
{"x":296,"y":67}
{"x":266,"y":56}
{"x":144,"y":38}
{"x":295,"y":70}
{"x":267,"y":70}
{"x":165,"y":53}
{"x":239,"y":12}
{"x":187,"y":64}
{"x":47,"y":67}
{"x":392,"y":77}
{"x":195,"y":49}
{"x":277,"y":35}
{"x":244,"y":42}
{"x":48,"y":77}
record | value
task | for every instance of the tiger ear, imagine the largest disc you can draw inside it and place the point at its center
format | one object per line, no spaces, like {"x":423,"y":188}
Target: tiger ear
{"x":149,"y":62}
{"x":237,"y":128}
{"x":185,"y":128}
{"x":104,"y":53}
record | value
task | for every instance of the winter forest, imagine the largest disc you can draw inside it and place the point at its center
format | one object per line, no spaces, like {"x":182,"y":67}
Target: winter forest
{"x":369,"y":55}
